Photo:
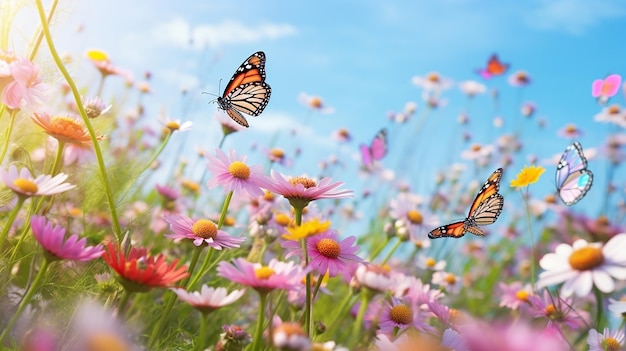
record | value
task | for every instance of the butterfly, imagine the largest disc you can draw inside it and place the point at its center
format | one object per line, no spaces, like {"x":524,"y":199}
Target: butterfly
{"x":485,"y":210}
{"x":377,"y":149}
{"x":494,"y":68}
{"x":604,"y":89}
{"x":246,"y":92}
{"x":573,"y":179}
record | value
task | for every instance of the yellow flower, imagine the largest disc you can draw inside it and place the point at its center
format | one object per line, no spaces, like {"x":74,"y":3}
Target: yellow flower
{"x":307,"y":229}
{"x":528,"y":175}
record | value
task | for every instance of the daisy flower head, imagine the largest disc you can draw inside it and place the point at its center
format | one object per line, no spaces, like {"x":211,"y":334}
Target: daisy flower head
{"x":374,"y":277}
{"x":139,"y":271}
{"x":232,"y":172}
{"x":448,"y":281}
{"x":557,"y":311}
{"x":514,"y":295}
{"x":428,"y":263}
{"x":614,"y":114}
{"x":276,"y":275}
{"x":570,"y":131}
{"x":202,"y":232}
{"x":433,"y":81}
{"x":277,"y":155}
{"x":63,"y":128}
{"x":481,"y":154}
{"x":208,"y":299}
{"x":472,"y":88}
{"x":519,"y":79}
{"x":173,"y":125}
{"x":342,"y":135}
{"x":618,"y":307}
{"x":398,"y":315}
{"x":528,"y":175}
{"x":315,"y":103}
{"x":582,"y":265}
{"x":52,"y":238}
{"x":306,"y":229}
{"x":24,"y":184}
{"x":95,"y":107}
{"x":290,"y":336}
{"x":302,"y":190}
{"x":607,"y":341}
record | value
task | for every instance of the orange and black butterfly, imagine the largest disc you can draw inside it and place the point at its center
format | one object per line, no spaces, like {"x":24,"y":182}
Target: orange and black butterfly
{"x":246,"y":91}
{"x":494,"y":68}
{"x":485,"y":210}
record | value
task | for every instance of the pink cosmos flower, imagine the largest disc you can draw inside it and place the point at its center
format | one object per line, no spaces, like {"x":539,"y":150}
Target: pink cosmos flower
{"x":399,"y":315}
{"x":208,"y":299}
{"x":406,"y":212}
{"x":202,"y":231}
{"x":511,"y":337}
{"x":570,"y":131}
{"x":519,"y":79}
{"x":433,"y":81}
{"x":235,"y":175}
{"x":327,"y":254}
{"x":613,"y":114}
{"x":52,"y":239}
{"x":304,"y":190}
{"x":514,"y":294}
{"x":27,"y":88}
{"x":557,"y":311}
{"x":24,"y":184}
{"x":604,"y":89}
{"x":448,"y":281}
{"x":315,"y":103}
{"x":375,"y":278}
{"x":606,"y":341}
{"x":276,"y":275}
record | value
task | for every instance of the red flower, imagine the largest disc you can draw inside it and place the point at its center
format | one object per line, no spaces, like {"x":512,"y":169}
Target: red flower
{"x":140,"y":272}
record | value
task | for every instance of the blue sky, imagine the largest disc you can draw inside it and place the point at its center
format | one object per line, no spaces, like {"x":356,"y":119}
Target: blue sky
{"x":360,"y":56}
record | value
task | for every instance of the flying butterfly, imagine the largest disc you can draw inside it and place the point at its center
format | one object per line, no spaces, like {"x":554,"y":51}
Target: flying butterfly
{"x":494,"y":68}
{"x":573,"y":179}
{"x":485,"y":210}
{"x":376,"y":150}
{"x":246,"y":92}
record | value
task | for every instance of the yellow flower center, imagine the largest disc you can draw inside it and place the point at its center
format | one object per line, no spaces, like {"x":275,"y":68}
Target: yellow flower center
{"x":316,"y":102}
{"x":97,"y":55}
{"x":173,"y":125}
{"x":433,"y":77}
{"x":229,"y":221}
{"x":611,"y":344}
{"x":343,"y":132}
{"x":401,"y":314}
{"x":329,"y":248}
{"x":450,"y":279}
{"x":430,"y":262}
{"x":191,"y":185}
{"x":551,"y":310}
{"x":27,"y":186}
{"x":602,"y":221}
{"x":522,"y":295}
{"x":282,"y":219}
{"x":455,"y":315}
{"x":476,"y":147}
{"x":264,"y":272}
{"x":571,"y":128}
{"x":277,"y":153}
{"x":586,"y":258}
{"x":522,"y":77}
{"x":613,"y":109}
{"x":306,"y":182}
{"x":103,"y":341}
{"x":551,"y":199}
{"x":415,"y":217}
{"x":67,"y":126}
{"x":75,"y":212}
{"x":205,"y":229}
{"x":239,"y":170}
{"x":268,"y":196}
{"x":289,"y":329}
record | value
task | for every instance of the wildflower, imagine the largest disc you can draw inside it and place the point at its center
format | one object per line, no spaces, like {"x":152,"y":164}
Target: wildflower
{"x":235,"y":175}
{"x":139,"y":271}
{"x":234,"y":337}
{"x":26,"y":88}
{"x":174,"y":125}
{"x":405,"y":210}
{"x":290,"y":336}
{"x":399,"y":315}
{"x":102,"y":62}
{"x":302,"y":190}
{"x":430,"y":264}
{"x":52,"y":238}
{"x":557,"y":311}
{"x":514,"y":295}
{"x":315,"y":103}
{"x":433,"y":81}
{"x":607,"y":341}
{"x":570,"y":131}
{"x":452,"y":340}
{"x":342,"y":135}
{"x":327,"y":255}
{"x":528,"y":175}
{"x":276,"y":275}
{"x":373,"y":277}
{"x":95,"y":107}
{"x":77,"y":154}
{"x":306,"y":229}
{"x":448,"y":281}
{"x":63,"y":128}
{"x":528,"y":109}
{"x":24,"y":184}
{"x":478,"y":153}
{"x":582,"y":265}
{"x":208,"y":299}
{"x":277,"y":155}
{"x":618,"y":307}
{"x":613,"y":114}
{"x":604,"y":89}
{"x":519,"y":79}
{"x":472,"y":88}
{"x":202,"y":231}
{"x":518,"y":336}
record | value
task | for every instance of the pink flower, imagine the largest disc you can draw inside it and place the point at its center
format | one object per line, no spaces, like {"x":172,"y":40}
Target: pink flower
{"x":605,"y":341}
{"x":399,"y":315}
{"x":234,"y":175}
{"x":202,"y":231}
{"x":519,"y":79}
{"x":24,"y":184}
{"x":514,"y":294}
{"x":315,"y":103}
{"x":511,"y":337}
{"x":557,"y":311}
{"x":276,"y":275}
{"x":52,"y":239}
{"x":208,"y":299}
{"x":302,"y":190}
{"x":327,"y":254}
{"x":27,"y":88}
{"x":570,"y":131}
{"x":452,"y":340}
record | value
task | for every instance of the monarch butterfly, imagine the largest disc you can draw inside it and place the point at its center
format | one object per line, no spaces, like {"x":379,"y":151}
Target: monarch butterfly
{"x":377,"y":149}
{"x":573,"y":179}
{"x":494,"y":68}
{"x":246,"y":92}
{"x":485,"y":210}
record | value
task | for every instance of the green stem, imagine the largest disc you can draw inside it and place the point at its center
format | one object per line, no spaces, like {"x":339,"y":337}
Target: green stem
{"x":201,"y":271}
{"x":308,"y":306}
{"x":600,"y":323}
{"x":532,"y":238}
{"x":344,"y":306}
{"x":318,"y":285}
{"x":7,"y":137}
{"x":365,"y":300}
{"x":26,"y":300}
{"x":157,"y":154}
{"x":33,"y":51}
{"x":12,"y":216}
{"x":204,"y":324}
{"x":380,"y":249}
{"x":56,"y":167}
{"x":220,"y":223}
{"x":121,"y":307}
{"x":392,"y":251}
{"x":258,"y":335}
{"x":81,"y":109}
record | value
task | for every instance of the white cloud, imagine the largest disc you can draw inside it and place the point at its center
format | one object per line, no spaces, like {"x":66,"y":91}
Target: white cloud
{"x":180,"y":33}
{"x":573,"y":16}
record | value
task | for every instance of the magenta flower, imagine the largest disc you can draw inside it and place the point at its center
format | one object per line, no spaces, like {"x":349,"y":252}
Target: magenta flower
{"x":276,"y":275}
{"x":302,"y":190}
{"x":399,"y":315}
{"x":557,"y":311}
{"x":208,"y":299}
{"x":52,"y":239}
{"x":24,"y":184}
{"x":327,"y":254}
{"x":27,"y":88}
{"x":234,"y":175}
{"x":514,"y":295}
{"x":202,"y":231}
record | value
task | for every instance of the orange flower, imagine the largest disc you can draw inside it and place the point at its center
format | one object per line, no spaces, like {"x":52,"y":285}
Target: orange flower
{"x":63,"y":128}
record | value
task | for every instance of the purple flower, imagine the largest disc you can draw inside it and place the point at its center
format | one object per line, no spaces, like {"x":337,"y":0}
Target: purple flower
{"x":276,"y":275}
{"x":202,"y":231}
{"x":234,"y":174}
{"x":52,"y":239}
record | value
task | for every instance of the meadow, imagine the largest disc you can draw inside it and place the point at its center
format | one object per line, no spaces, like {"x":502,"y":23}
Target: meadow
{"x":125,"y":228}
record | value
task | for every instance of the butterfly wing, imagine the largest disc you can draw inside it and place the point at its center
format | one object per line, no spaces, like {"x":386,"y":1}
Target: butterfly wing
{"x":452,"y":230}
{"x":251,"y":70}
{"x":487,"y":211}
{"x":366,"y":155}
{"x":491,"y":187}
{"x":596,"y":88}
{"x":573,"y":180}
{"x":611,"y":85}
{"x":379,"y":145}
{"x":495,"y":67}
{"x":572,"y":160}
